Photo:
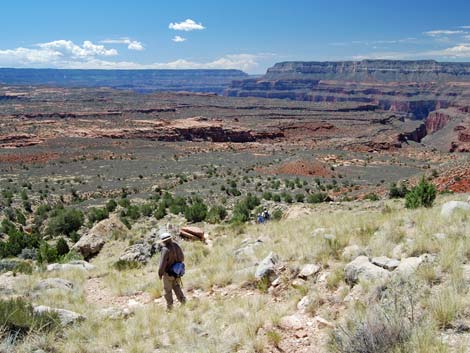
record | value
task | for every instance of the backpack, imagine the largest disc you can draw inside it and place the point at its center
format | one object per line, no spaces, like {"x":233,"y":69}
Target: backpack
{"x":177,"y":270}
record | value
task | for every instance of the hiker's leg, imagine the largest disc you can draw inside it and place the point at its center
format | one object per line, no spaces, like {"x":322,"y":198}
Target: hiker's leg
{"x":178,"y":291}
{"x":167,"y":287}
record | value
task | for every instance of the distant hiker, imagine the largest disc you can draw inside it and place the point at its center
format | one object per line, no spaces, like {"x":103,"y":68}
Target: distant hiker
{"x":260,"y":219}
{"x":171,"y":269}
{"x":266,"y":214}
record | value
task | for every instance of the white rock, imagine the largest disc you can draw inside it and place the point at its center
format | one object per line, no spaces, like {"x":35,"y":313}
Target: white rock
{"x":361,"y":269}
{"x":385,"y":262}
{"x":73,"y":265}
{"x":54,"y":283}
{"x":450,"y":207}
{"x":66,"y":317}
{"x":309,"y":270}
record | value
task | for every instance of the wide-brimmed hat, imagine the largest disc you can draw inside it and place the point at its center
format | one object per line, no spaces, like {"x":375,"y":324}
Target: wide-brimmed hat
{"x":164,"y":237}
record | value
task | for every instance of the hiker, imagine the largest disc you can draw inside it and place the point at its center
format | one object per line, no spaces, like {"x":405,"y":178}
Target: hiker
{"x":171,"y":269}
{"x":265,"y":214}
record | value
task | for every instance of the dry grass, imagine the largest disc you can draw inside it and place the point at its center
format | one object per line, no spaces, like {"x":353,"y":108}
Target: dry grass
{"x":218,"y":320}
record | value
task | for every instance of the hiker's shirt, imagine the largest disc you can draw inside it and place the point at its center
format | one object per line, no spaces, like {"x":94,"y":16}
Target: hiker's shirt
{"x":170,"y":254}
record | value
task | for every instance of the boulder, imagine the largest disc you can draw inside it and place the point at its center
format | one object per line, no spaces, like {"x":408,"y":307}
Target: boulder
{"x":93,"y":241}
{"x":450,"y":207}
{"x":66,"y":317}
{"x":352,"y":251}
{"x":309,"y":270}
{"x":141,"y":252}
{"x":267,"y":267}
{"x":410,"y":265}
{"x":303,"y":304}
{"x":385,"y":262}
{"x":54,"y":283}
{"x":361,"y":269}
{"x":72,"y":265}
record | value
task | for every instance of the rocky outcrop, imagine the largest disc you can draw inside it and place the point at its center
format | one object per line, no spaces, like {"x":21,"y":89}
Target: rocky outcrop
{"x":436,"y":121}
{"x":362,"y":269}
{"x":91,"y":243}
{"x":372,"y":71}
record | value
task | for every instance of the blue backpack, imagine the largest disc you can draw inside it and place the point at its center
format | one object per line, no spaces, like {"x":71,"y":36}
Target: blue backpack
{"x":177,"y":270}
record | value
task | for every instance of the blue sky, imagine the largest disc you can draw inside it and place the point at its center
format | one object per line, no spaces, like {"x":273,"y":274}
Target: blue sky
{"x":249,"y":35}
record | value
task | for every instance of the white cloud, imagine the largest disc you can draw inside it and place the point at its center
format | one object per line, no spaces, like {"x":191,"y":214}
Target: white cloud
{"x":178,"y":39}
{"x":87,"y":49}
{"x":443,"y":32}
{"x":187,"y":25}
{"x":131,"y":44}
{"x":53,"y":54}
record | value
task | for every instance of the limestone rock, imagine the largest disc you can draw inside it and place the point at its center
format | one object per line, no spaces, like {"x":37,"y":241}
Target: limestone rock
{"x":93,"y":241}
{"x":141,"y":252}
{"x":450,"y":207}
{"x":361,"y":269}
{"x":72,"y":265}
{"x":54,"y":283}
{"x":385,"y":262}
{"x":66,"y":317}
{"x":352,"y":251}
{"x":267,"y":267}
{"x":410,"y":265}
{"x":309,"y":270}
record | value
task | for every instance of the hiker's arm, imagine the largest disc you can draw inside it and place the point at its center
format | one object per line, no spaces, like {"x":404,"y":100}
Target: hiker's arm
{"x":163,"y":262}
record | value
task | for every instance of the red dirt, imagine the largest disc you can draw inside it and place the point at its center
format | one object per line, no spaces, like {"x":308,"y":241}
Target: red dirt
{"x":301,"y":168}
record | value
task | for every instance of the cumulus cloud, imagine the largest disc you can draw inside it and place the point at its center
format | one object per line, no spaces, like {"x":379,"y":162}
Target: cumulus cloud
{"x":187,"y":26}
{"x":131,"y":44}
{"x":178,"y":39}
{"x":87,"y":49}
{"x":53,"y":54}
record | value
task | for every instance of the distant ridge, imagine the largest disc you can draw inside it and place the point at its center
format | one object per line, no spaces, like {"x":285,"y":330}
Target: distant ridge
{"x":372,"y":71}
{"x":195,"y":80}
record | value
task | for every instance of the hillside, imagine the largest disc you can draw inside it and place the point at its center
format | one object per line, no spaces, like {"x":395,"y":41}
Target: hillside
{"x":322,"y":295}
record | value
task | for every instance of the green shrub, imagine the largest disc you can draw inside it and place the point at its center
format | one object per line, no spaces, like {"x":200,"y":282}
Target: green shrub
{"x":97,"y":214}
{"x":111,"y":205}
{"x":277,"y":215}
{"x":124,"y":202}
{"x":398,"y":192}
{"x":65,"y":221}
{"x":267,"y":195}
{"x":178,"y":205}
{"x":146,"y":209}
{"x":422,"y":194}
{"x":160,"y":212}
{"x":216,"y":214}
{"x":277,"y":198}
{"x":47,"y":253}
{"x":287,"y":198}
{"x":372,"y":197}
{"x":318,"y":197}
{"x":197,"y":211}
{"x":62,"y":247}
{"x":299,"y":197}
{"x":18,"y":318}
{"x":133,"y":212}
